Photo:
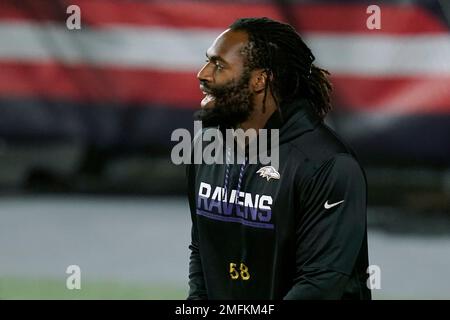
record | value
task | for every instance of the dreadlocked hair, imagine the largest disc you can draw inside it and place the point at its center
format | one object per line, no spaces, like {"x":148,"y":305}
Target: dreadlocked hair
{"x":279,"y":50}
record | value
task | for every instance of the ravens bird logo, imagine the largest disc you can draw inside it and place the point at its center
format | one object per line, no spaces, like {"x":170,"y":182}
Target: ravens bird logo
{"x":268,"y":172}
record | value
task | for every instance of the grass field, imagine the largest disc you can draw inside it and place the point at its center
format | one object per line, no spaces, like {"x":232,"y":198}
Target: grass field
{"x":12,"y":288}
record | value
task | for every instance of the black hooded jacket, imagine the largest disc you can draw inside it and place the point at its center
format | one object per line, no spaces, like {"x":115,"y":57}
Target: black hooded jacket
{"x":299,"y":235}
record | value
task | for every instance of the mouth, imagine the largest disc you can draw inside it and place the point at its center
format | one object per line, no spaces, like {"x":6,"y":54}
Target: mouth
{"x":208,"y":100}
{"x":204,"y":90}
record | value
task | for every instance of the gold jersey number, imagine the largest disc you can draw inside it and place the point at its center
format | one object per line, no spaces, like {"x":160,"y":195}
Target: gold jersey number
{"x":242,"y":273}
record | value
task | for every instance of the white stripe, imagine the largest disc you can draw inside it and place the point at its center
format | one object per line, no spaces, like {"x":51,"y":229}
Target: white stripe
{"x":184,"y":49}
{"x":382,"y":55}
{"x":123,"y":47}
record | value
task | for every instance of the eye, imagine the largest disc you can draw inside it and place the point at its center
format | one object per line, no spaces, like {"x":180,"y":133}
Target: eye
{"x":219,"y":66}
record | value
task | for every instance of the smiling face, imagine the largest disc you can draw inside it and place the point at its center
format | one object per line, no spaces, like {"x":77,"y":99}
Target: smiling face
{"x":225,"y":81}
{"x":224,"y":64}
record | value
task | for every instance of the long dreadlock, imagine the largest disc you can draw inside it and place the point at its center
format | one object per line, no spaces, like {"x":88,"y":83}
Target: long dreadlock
{"x":279,"y":50}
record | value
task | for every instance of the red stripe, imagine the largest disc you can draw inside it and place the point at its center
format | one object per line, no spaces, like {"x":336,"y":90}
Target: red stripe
{"x":82,"y":83}
{"x":404,"y":19}
{"x":88,"y":84}
{"x":422,"y":94}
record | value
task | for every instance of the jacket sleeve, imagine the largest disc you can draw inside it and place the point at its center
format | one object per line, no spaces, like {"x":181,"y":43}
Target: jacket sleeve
{"x":197,"y":289}
{"x":331,"y":229}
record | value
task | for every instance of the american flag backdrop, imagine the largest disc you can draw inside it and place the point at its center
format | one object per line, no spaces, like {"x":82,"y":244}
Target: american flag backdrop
{"x":128,"y":77}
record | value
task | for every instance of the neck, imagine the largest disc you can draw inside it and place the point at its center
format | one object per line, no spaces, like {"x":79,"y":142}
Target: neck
{"x":259,"y":119}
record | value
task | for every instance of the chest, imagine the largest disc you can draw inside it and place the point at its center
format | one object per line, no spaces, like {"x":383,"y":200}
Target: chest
{"x":252,"y":196}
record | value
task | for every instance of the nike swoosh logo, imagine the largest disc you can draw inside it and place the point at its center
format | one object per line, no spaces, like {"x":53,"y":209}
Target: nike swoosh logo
{"x":331,"y":205}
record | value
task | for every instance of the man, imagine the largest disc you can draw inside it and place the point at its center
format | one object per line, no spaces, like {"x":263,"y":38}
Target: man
{"x":293,"y":232}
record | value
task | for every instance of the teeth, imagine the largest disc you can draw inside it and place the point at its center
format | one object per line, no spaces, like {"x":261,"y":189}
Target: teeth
{"x":206,"y":100}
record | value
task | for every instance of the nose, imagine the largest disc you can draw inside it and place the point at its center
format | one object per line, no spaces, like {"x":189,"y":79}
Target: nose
{"x":205,"y":74}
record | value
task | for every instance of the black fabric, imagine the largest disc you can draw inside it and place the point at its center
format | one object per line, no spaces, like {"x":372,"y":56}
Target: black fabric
{"x":283,"y":240}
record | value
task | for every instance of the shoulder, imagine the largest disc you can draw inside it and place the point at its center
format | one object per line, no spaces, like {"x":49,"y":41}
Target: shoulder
{"x":321,"y":143}
{"x":322,"y":150}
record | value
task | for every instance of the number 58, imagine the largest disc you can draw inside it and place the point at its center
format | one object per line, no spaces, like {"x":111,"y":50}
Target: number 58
{"x":243,"y":271}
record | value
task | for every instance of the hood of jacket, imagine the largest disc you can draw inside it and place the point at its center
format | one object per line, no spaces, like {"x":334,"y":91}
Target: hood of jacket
{"x":295,"y":119}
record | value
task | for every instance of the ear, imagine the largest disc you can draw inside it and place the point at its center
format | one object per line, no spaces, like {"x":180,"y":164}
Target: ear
{"x":258,"y":80}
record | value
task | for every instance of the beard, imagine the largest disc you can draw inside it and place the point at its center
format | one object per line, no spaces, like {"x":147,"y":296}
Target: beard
{"x":233,"y":104}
